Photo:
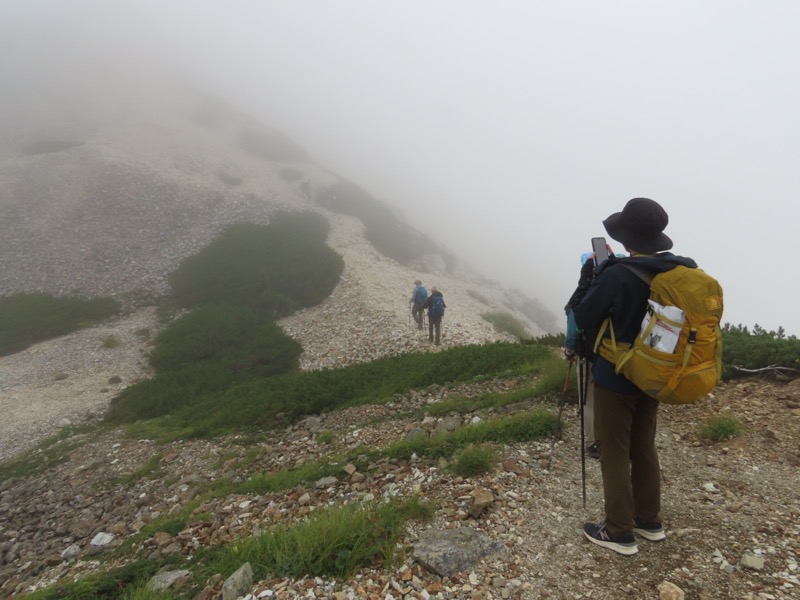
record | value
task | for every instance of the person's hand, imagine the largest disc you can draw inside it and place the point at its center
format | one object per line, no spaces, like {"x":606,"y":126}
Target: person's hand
{"x":570,"y":354}
{"x":587,"y":271}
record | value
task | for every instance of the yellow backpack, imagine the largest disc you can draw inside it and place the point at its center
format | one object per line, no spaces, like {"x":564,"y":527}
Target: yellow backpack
{"x":694,"y":367}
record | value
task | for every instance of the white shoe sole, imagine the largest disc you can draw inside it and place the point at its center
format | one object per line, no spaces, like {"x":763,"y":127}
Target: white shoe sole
{"x":618,"y":548}
{"x":653,"y":536}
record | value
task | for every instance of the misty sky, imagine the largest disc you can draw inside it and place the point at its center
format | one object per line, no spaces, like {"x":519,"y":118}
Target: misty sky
{"x":510,"y":130}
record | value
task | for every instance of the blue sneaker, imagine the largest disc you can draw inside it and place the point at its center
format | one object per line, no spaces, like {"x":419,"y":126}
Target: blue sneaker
{"x":598,"y":533}
{"x":652,"y":531}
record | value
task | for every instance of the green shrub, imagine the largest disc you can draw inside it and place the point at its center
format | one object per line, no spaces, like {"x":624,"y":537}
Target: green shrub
{"x":721,"y":428}
{"x":276,"y":268}
{"x":473,"y":460}
{"x":385,"y":232}
{"x":478,"y":296}
{"x":110,"y":342}
{"x":757,"y":349}
{"x":506,"y":323}
{"x":229,"y":336}
{"x":26,"y":319}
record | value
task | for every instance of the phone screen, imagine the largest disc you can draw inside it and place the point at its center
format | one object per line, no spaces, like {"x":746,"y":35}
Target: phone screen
{"x":600,"y":250}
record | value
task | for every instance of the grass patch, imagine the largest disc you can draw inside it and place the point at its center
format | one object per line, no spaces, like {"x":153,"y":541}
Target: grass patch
{"x":266,"y":403}
{"x":151,"y":469}
{"x":474,"y":460}
{"x":522,"y":427}
{"x":390,"y":236}
{"x":110,"y":342}
{"x":105,"y":585}
{"x":49,"y":453}
{"x":506,"y":323}
{"x":325,"y":437}
{"x":334,"y":542}
{"x":478,"y":296}
{"x":26,"y":319}
{"x":718,"y":429}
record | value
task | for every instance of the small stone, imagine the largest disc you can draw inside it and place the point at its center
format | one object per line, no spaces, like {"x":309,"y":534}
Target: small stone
{"x":669,"y":591}
{"x":102,"y":539}
{"x":751,"y":561}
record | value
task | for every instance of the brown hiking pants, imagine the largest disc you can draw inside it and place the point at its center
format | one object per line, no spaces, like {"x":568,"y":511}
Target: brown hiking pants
{"x":625,"y":427}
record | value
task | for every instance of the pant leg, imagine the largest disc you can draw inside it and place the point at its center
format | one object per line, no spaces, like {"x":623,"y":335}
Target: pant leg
{"x":430,"y":328}
{"x":613,"y":421}
{"x":645,"y":466}
{"x":438,"y":328}
{"x":625,"y":426}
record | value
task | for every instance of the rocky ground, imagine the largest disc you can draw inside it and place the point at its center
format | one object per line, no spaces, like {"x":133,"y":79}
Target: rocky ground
{"x":731,"y":509}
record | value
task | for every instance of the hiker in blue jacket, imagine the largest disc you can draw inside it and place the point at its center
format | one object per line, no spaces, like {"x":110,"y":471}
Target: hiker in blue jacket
{"x":435,"y":305}
{"x":626,"y":417}
{"x":417,"y":300}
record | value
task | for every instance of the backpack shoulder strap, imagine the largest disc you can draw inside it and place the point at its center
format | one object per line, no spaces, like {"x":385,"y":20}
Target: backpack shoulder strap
{"x":643,"y":274}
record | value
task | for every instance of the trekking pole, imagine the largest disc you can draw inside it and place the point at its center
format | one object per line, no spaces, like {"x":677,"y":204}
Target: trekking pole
{"x":583,"y":377}
{"x":561,"y":403}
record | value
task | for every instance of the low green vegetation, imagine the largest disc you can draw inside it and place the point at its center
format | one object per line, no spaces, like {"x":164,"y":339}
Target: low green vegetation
{"x":114,"y":584}
{"x":234,"y":290}
{"x":718,"y":429}
{"x":28,"y":318}
{"x":277,"y":269}
{"x":204,"y":401}
{"x":474,"y":460}
{"x":506,"y":323}
{"x":49,"y":452}
{"x":390,"y":236}
{"x":332,"y":542}
{"x":520,"y":427}
{"x":757,"y":349}
{"x":478,"y":296}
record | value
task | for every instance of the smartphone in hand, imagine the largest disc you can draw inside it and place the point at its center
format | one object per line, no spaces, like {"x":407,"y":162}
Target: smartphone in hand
{"x":600,"y":250}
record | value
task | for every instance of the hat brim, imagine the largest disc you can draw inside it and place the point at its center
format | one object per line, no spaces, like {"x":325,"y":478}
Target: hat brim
{"x":635,"y":240}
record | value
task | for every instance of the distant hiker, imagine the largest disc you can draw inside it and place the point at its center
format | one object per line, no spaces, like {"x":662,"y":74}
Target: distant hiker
{"x":573,"y":350}
{"x":305,"y":187}
{"x":418,"y":297}
{"x":435,"y":305}
{"x":625,"y":416}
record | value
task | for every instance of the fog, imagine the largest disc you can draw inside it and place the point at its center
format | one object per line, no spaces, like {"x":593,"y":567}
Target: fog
{"x":507,"y":130}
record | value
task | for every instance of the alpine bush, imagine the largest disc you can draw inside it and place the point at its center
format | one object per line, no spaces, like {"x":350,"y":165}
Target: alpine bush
{"x":277,"y":268}
{"x":28,"y":318}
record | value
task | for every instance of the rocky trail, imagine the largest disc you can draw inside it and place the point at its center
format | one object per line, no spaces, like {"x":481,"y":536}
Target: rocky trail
{"x":731,"y":509}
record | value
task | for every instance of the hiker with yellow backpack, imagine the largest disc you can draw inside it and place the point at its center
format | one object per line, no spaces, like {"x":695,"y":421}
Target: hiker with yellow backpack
{"x":650,"y":324}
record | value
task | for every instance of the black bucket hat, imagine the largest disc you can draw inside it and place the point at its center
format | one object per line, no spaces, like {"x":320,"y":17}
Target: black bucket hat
{"x":640,"y":226}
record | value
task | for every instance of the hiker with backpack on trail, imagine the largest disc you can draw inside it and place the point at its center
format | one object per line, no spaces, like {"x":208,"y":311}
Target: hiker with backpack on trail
{"x":417,"y":300}
{"x":435,"y":305}
{"x":618,"y":316}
